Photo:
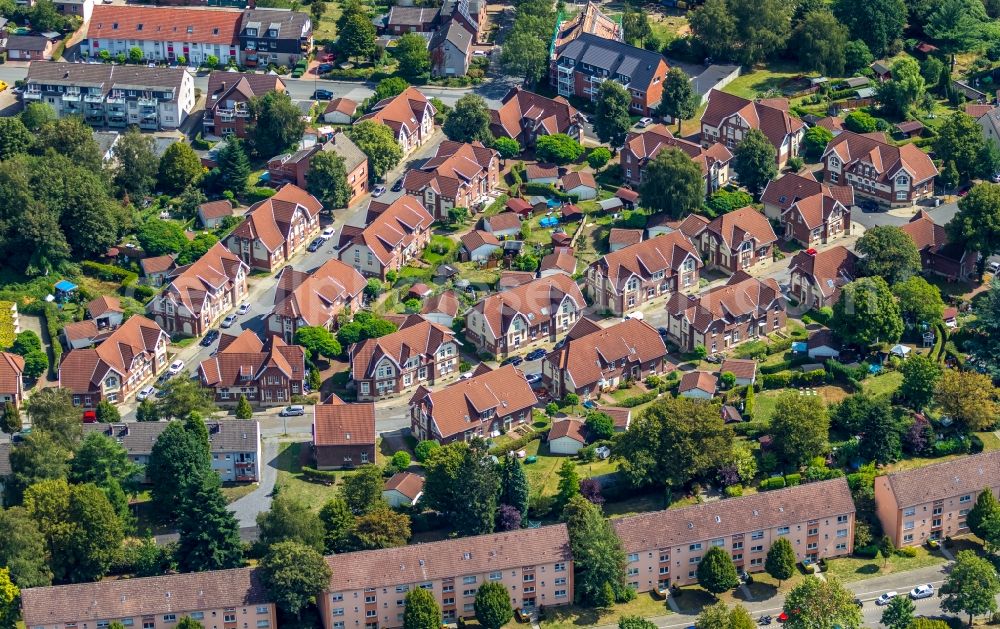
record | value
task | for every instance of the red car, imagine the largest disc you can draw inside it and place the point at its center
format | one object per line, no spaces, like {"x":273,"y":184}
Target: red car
{"x":329,"y":56}
{"x":782,"y":617}
{"x":90,"y":417}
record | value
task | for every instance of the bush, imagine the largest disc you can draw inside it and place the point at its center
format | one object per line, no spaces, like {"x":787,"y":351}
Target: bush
{"x":6,"y":324}
{"x":256,"y":194}
{"x":519,"y":443}
{"x":548,"y":190}
{"x":143,"y":293}
{"x":754,"y":349}
{"x":733,"y":491}
{"x":776,"y":482}
{"x":908,"y":551}
{"x":51,"y":313}
{"x":424,"y":449}
{"x":791,"y":480}
{"x":319,"y":476}
{"x":108,"y":272}
{"x":637,"y":400}
{"x":976,"y":444}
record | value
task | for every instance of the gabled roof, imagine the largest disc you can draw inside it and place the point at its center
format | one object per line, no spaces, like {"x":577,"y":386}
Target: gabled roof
{"x":102,"y":305}
{"x":929,"y":236}
{"x":339,"y":424}
{"x":412,"y":16}
{"x":561,"y":259}
{"x":417,"y":338}
{"x":534,"y":302}
{"x":389,"y":226}
{"x":191,"y":284}
{"x":404,"y":110}
{"x":829,"y":269}
{"x":216,"y":209}
{"x":571,"y":428}
{"x":663,"y":253}
{"x":886,"y":159}
{"x":319,"y":296}
{"x":11,"y":369}
{"x":612,"y":57}
{"x":786,"y":190}
{"x":590,"y":20}
{"x":235,"y":367}
{"x":647,"y":145}
{"x":739,"y":367}
{"x":741,"y":296}
{"x":159,"y":264}
{"x":512,"y":279}
{"x":455,"y":166}
{"x":591,"y":350}
{"x":502,"y":221}
{"x":407,"y":483}
{"x":205,"y":26}
{"x":573,"y":180}
{"x":341,"y":105}
{"x":624,"y":237}
{"x":967,"y":475}
{"x":478,"y":238}
{"x":82,"y":370}
{"x":698,"y":380}
{"x":445,"y":303}
{"x":459,"y":406}
{"x":289,"y":24}
{"x":544,"y":116}
{"x":769,"y":116}
{"x":226,"y":85}
{"x":541,"y":171}
{"x":733,"y":228}
{"x":270,"y":221}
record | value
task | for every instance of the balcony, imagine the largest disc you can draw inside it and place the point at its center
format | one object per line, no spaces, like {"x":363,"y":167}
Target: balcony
{"x":93,"y":98}
{"x":116,"y":98}
{"x":33,"y":94}
{"x":147,"y":101}
{"x":71,"y":97}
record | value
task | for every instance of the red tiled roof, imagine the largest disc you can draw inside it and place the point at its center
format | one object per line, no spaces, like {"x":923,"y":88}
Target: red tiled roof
{"x":829,"y":269}
{"x":204,"y":26}
{"x":102,"y":305}
{"x":216,"y":209}
{"x":455,"y":166}
{"x":418,"y":338}
{"x":342,"y":105}
{"x":545,"y":116}
{"x":700,"y":380}
{"x":976,"y":110}
{"x":215,"y":270}
{"x":786,"y":190}
{"x":82,"y":370}
{"x":340,"y":424}
{"x":571,"y":428}
{"x":406,"y":483}
{"x":561,"y":259}
{"x":388,"y":226}
{"x":318,"y":297}
{"x":967,"y":475}
{"x":741,"y":368}
{"x":647,"y":145}
{"x":159,"y":264}
{"x":769,"y":116}
{"x":884,"y":157}
{"x":518,"y":205}
{"x":11,"y":368}
{"x":537,"y":300}
{"x":541,"y":171}
{"x":502,"y":221}
{"x":234,"y":366}
{"x":624,"y":237}
{"x":737,"y":226}
{"x":591,"y":349}
{"x":270,"y":221}
{"x":478,"y":238}
{"x":663,"y":253}
{"x":742,"y":295}
{"x":445,"y":302}
{"x":627,"y":194}
{"x":405,"y":110}
{"x":574,"y":180}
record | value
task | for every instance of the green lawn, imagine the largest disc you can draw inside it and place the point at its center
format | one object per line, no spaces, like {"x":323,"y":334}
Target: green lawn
{"x":572,"y":616}
{"x":327,"y":27}
{"x":885,"y":384}
{"x":859,"y":568}
{"x":440,"y":250}
{"x":292,"y":483}
{"x":543,"y":475}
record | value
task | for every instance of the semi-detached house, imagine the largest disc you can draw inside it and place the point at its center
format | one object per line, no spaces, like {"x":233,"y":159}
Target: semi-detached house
{"x":410,"y":115}
{"x":663,"y":548}
{"x":634,"y":275}
{"x":118,"y":367}
{"x":816,"y":277}
{"x":736,"y":240}
{"x":164,"y":34}
{"x":937,"y":254}
{"x":896,"y":176}
{"x":419,"y":353}
{"x":314,"y":299}
{"x":596,"y":359}
{"x":459,"y":175}
{"x":394,"y":234}
{"x":491,"y":401}
{"x":525,"y":116}
{"x":198,"y":294}
{"x":275,"y":229}
{"x":642,"y":148}
{"x":266,"y":375}
{"x":277,"y":36}
{"x":811,"y":212}
{"x":227,"y":107}
{"x":728,"y":118}
{"x":524,"y":316}
{"x":933,"y":502}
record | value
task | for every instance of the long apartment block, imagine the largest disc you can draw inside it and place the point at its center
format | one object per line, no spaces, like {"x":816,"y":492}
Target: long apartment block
{"x":932,"y":502}
{"x":368,"y":588}
{"x":221,"y":599}
{"x":665,"y":547}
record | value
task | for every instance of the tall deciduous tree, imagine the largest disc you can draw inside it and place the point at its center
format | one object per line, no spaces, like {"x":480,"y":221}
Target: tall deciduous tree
{"x":15,"y":138}
{"x":136,"y":164}
{"x":904,"y":90}
{"x":716,"y":571}
{"x":780,"y":562}
{"x":882,"y":440}
{"x":412,"y":54}
{"x":636,"y":27}
{"x":289,"y":520}
{"x":469,"y":121}
{"x":960,"y":140}
{"x":159,"y":237}
{"x":318,"y":341}
{"x":179,"y":168}
{"x":380,"y":528}
{"x":920,"y":378}
{"x":183,"y":396}
{"x":421,"y":610}
{"x":22,"y":549}
{"x":919,"y":301}
{"x":679,"y":100}
{"x":715,"y":27}
{"x":878,"y":23}
{"x":969,"y":398}
{"x":337,"y":524}
{"x":362,"y":490}
{"x":898,"y":614}
{"x":327,"y":180}
{"x":755,"y":161}
{"x":673,"y":441}
{"x":597,"y":552}
{"x":39,"y":457}
{"x":971,"y":587}
{"x":294,"y":574}
{"x":492,"y":605}
{"x":800,"y":426}
{"x":611,"y":117}
{"x":9,"y":596}
{"x":462,"y":483}
{"x":867,"y":313}
{"x":820,"y":41}
{"x":977,"y":222}
{"x":762,"y":28}
{"x":357,"y":36}
{"x":377,"y":142}
{"x":719,"y":616}
{"x":276,"y":123}
{"x":558,"y":148}
{"x":673,"y":184}
{"x":209,"y":536}
{"x":525,"y":56}
{"x":815,"y":604}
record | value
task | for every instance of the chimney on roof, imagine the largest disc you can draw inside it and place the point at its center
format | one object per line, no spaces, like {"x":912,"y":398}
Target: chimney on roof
{"x":223,"y":85}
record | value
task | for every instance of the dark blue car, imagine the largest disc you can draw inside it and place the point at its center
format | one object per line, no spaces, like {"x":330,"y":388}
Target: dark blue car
{"x":535,"y":354}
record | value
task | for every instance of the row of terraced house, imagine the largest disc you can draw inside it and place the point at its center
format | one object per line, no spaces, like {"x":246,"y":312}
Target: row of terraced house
{"x":662,"y":548}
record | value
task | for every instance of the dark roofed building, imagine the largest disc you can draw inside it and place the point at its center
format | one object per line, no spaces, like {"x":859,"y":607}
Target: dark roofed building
{"x":343,"y":434}
{"x":277,"y":36}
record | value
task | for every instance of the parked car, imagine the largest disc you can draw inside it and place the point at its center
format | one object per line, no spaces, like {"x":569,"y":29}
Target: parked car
{"x":175,"y":367}
{"x":378,"y":190}
{"x":644,"y":122}
{"x":465,"y":376}
{"x":884,"y":599}
{"x":293,"y":411}
{"x":922,"y":591}
{"x":210,"y":337}
{"x":315,"y":245}
{"x":328,"y":232}
{"x":993,"y":267}
{"x":396,"y":187}
{"x":144,"y":393}
{"x":589,"y":404}
{"x":243,"y":309}
{"x":533,"y":378}
{"x":323,"y":68}
{"x":322,"y":95}
{"x":229,"y":321}
{"x":89,"y":417}
{"x":513,"y":360}
{"x":535,"y":354}
{"x":663,"y":331}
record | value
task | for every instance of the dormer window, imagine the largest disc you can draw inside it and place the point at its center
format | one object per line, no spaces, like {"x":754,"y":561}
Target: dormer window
{"x":834,"y":162}
{"x":190,"y":29}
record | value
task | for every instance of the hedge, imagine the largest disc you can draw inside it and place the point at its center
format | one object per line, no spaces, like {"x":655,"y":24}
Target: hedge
{"x":320,"y":476}
{"x":791,"y":480}
{"x":51,"y":314}
{"x":518,"y":443}
{"x":795,"y":361}
{"x":785,"y":379}
{"x":259,"y":194}
{"x":108,"y":272}
{"x":6,"y":324}
{"x":777,"y":482}
{"x":143,"y":293}
{"x":548,"y":189}
{"x":638,"y":400}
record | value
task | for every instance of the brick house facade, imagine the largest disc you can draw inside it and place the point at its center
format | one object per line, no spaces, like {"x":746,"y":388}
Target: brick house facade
{"x":314,"y":299}
{"x":393,"y":235}
{"x":641,"y":148}
{"x":459,"y":175}
{"x":879,"y":171}
{"x":728,"y":118}
{"x":267,"y":375}
{"x":275,"y":229}
{"x":227,"y":108}
{"x":343,"y":434}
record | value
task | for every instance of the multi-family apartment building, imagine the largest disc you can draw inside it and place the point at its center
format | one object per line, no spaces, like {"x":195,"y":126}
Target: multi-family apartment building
{"x":641,"y":148}
{"x":651,"y":269}
{"x":275,"y":229}
{"x":118,"y":367}
{"x":418,"y":353}
{"x":164,"y":34}
{"x":234,"y":444}
{"x":524,"y":316}
{"x":728,"y":118}
{"x":451,"y":47}
{"x":314,"y":299}
{"x":115,"y":96}
{"x":11,"y":379}
{"x":266,"y":375}
{"x":217,"y":599}
{"x":816,"y":277}
{"x":227,"y":106}
{"x":810,"y":212}
{"x":394,"y":234}
{"x":932,"y":502}
{"x":589,"y":60}
{"x":590,"y":20}
{"x":274,"y":36}
{"x":294,"y":167}
{"x":490,"y":401}
{"x":368,"y":588}
{"x":664,"y":548}
{"x":937,"y":254}
{"x":737,"y":240}
{"x":891,"y":175}
{"x":524,"y":116}
{"x":459,"y":175}
{"x":743,"y":309}
{"x":198,"y":294}
{"x":410,"y":115}
{"x":596,"y":359}
{"x":344,"y":435}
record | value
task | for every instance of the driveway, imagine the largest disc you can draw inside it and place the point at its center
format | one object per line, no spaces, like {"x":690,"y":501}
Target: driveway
{"x":246,"y":508}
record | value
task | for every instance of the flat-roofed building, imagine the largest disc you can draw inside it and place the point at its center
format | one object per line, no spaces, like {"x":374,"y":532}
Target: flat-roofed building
{"x":368,"y":588}
{"x":932,"y":502}
{"x":664,"y":548}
